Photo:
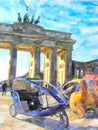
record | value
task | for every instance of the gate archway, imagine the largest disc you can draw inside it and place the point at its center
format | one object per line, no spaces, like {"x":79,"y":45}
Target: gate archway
{"x":56,"y":47}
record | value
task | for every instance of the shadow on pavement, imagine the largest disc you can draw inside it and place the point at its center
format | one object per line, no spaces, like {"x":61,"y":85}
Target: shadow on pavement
{"x":51,"y":124}
{"x":45,"y":123}
{"x":91,"y":114}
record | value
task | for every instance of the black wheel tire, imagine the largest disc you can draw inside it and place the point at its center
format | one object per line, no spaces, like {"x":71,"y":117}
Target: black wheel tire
{"x":13,"y":110}
{"x":64,"y":119}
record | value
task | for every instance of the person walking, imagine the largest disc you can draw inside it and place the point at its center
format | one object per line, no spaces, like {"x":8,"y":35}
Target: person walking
{"x":4,"y":86}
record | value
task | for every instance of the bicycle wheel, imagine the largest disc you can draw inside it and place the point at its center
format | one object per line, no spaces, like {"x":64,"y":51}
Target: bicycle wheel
{"x":64,"y":119}
{"x":13,"y":110}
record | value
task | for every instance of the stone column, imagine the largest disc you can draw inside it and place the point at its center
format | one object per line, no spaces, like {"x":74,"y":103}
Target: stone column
{"x":32,"y":64}
{"x":47,"y":64}
{"x":62,"y":65}
{"x":83,"y":71}
{"x":53,"y":68}
{"x":37,"y":60}
{"x":79,"y":74}
{"x":69,"y":65}
{"x":96,"y":70}
{"x":75,"y":71}
{"x":13,"y":63}
{"x":90,"y":70}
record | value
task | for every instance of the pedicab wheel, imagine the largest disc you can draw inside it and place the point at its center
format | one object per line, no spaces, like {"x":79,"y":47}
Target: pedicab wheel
{"x":80,"y":110}
{"x":13,"y":110}
{"x":64,"y":119}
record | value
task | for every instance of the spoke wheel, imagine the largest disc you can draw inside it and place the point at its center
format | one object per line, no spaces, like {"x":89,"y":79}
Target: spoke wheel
{"x":13,"y":110}
{"x":64,"y":119}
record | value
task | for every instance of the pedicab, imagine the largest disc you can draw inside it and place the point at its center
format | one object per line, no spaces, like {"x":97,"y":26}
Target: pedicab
{"x":82,"y":94}
{"x":36,"y":97}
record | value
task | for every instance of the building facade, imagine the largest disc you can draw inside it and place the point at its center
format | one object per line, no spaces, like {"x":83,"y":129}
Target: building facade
{"x":82,"y":68}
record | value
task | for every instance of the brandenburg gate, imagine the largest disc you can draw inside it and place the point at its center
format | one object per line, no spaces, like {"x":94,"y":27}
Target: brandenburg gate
{"x":56,"y":46}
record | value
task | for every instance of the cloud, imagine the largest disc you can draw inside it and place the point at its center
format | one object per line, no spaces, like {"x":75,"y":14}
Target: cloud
{"x":86,"y":50}
{"x":84,"y":54}
{"x":21,"y":70}
{"x":89,"y":30}
{"x":93,"y":40}
{"x":94,"y":51}
{"x":23,"y":60}
{"x":3,"y":70}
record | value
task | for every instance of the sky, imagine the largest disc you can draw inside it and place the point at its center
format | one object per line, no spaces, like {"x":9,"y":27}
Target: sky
{"x":79,"y":17}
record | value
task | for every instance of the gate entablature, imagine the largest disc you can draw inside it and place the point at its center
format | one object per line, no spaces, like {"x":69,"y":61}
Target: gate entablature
{"x":24,"y":28}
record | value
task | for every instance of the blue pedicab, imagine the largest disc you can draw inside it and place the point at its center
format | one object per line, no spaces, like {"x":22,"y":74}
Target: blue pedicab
{"x":35,"y":97}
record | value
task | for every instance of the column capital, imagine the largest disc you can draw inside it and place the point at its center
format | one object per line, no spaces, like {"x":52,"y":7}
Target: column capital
{"x":37,"y":48}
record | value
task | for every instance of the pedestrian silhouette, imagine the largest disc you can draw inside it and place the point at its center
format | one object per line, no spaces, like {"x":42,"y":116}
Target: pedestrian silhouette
{"x":4,"y":86}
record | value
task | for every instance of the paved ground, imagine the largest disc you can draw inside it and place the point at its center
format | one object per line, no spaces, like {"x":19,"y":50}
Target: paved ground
{"x":28,"y":123}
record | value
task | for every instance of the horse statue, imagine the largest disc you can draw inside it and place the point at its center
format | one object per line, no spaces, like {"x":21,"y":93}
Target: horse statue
{"x":19,"y":18}
{"x":26,"y":18}
{"x":32,"y":19}
{"x":37,"y":20}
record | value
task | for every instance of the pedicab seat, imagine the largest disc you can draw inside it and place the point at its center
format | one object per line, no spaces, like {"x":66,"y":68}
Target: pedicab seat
{"x":25,"y":95}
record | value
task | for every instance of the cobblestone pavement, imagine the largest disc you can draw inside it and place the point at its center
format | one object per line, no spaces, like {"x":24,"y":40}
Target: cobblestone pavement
{"x":21,"y":122}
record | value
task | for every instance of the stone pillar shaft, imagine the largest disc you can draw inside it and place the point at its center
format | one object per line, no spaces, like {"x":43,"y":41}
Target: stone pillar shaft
{"x":47,"y":62}
{"x":96,"y":70}
{"x":75,"y":71}
{"x":79,"y":75}
{"x":13,"y":63}
{"x":83,"y":71}
{"x":69,"y":66}
{"x":32,"y":65}
{"x":37,"y":60}
{"x":53,"y":72}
